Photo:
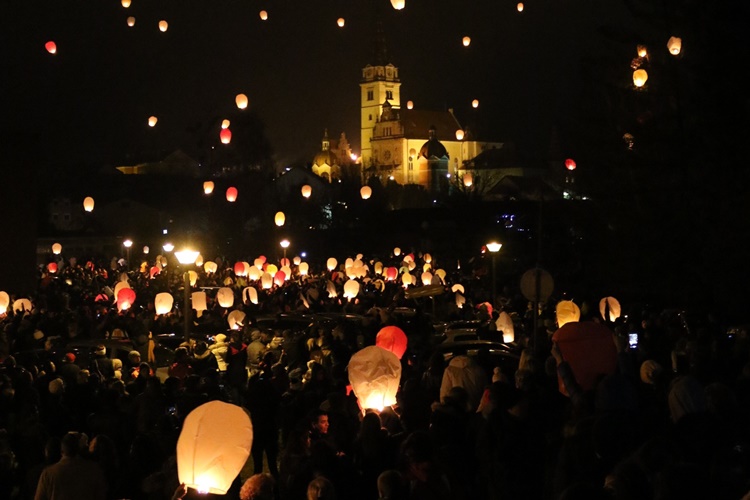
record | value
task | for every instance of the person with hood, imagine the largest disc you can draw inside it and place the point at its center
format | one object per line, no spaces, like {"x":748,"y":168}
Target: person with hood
{"x":203,"y":361}
{"x":219,"y":350}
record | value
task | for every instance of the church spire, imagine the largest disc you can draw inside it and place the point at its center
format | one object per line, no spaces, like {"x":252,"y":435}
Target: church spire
{"x":380,"y":52}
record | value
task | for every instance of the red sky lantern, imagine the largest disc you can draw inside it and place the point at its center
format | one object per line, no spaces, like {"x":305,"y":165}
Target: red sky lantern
{"x":393,"y":339}
{"x":52,"y":267}
{"x":125,"y":299}
{"x":570,"y":164}
{"x":232,"y":194}
{"x":391,"y":273}
{"x":225,"y":136}
{"x":51,"y":47}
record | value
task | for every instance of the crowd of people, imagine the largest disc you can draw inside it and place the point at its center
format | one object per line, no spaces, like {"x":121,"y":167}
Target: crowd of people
{"x":666,"y":418}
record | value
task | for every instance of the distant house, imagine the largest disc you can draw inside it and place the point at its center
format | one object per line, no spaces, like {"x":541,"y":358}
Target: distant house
{"x":334,"y":160}
{"x":290,"y":182}
{"x":177,"y":163}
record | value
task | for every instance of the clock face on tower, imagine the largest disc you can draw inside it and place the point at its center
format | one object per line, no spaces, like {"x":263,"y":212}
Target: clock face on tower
{"x":387,"y":155}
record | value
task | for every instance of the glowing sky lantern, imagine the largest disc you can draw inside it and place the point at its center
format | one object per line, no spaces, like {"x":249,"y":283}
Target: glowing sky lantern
{"x":279,"y":278}
{"x":410,"y":105}
{"x":163,"y":302}
{"x":22,"y":305}
{"x":440,"y":273}
{"x":4,"y":302}
{"x":466,"y":41}
{"x":155,"y":270}
{"x":285,"y":263}
{"x":131,"y":21}
{"x":468,"y":179}
{"x":51,"y":47}
{"x":306,"y":190}
{"x":639,"y":77}
{"x":125,"y":3}
{"x":570,"y":164}
{"x":225,"y":124}
{"x":406,"y":280}
{"x":254,"y":273}
{"x":250,"y":294}
{"x":199,"y":302}
{"x":88,"y":204}
{"x":225,"y":136}
{"x":642,"y":51}
{"x":271,"y":269}
{"x":152,"y":121}
{"x":208,"y":187}
{"x":163,"y":26}
{"x":459,"y":135}
{"x":232,"y":194}
{"x":279,"y":219}
{"x":612,"y":306}
{"x":374,"y":374}
{"x":519,"y":7}
{"x":240,"y":269}
{"x":340,"y":21}
{"x":193,"y":277}
{"x":504,"y":324}
{"x":236,"y":320}
{"x":259,"y":262}
{"x":396,"y":251}
{"x":125,"y":299}
{"x":52,"y":267}
{"x":213,"y":446}
{"x":241,"y":101}
{"x":674,"y":45}
{"x":225,"y":297}
{"x":398,"y":4}
{"x":331,"y":289}
{"x":391,"y":273}
{"x":351,"y":289}
{"x":303,"y":268}
{"x":263,"y":15}
{"x":475,"y":103}
{"x":331,"y":263}
{"x":210,"y":267}
{"x":365,"y":192}
{"x":378,"y":268}
{"x":56,"y":248}
{"x":567,"y":312}
{"x":426,"y":278}
{"x":266,"y":281}
{"x":458,"y":287}
{"x":393,"y":339}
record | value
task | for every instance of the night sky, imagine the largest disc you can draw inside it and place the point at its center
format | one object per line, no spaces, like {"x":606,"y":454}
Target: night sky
{"x":89,"y":103}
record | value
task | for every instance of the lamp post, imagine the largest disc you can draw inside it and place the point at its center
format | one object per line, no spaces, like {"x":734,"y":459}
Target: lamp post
{"x":127,"y":244}
{"x":186,"y":257}
{"x":494,"y":247}
{"x":284,"y":244}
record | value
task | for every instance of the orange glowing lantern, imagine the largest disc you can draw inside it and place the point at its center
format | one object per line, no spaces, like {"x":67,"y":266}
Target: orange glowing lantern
{"x":567,"y":312}
{"x":466,"y":41}
{"x":279,"y":278}
{"x":163,"y":302}
{"x":263,"y":15}
{"x":639,"y":77}
{"x":340,"y":21}
{"x":22,"y":305}
{"x":610,"y":309}
{"x":674,"y":45}
{"x":254,"y":273}
{"x":365,"y":192}
{"x":642,"y":51}
{"x":213,"y":446}
{"x":52,"y":267}
{"x":225,"y":136}
{"x":225,"y":297}
{"x":519,"y":7}
{"x":210,"y":267}
{"x":468,"y":179}
{"x":392,"y":339}
{"x":279,"y":219}
{"x":152,"y":121}
{"x":266,"y":281}
{"x":306,"y":190}
{"x":193,"y":277}
{"x":208,"y":187}
{"x":163,"y":26}
{"x":199,"y":301}
{"x":398,"y":4}
{"x":240,"y":269}
{"x":232,"y":194}
{"x":391,"y":273}
{"x":125,"y":299}
{"x":459,"y":135}
{"x":410,"y":105}
{"x":4,"y":302}
{"x":51,"y":47}
{"x":225,"y":124}
{"x":56,"y":248}
{"x":351,"y":289}
{"x":504,"y":324}
{"x":426,"y":278}
{"x":125,"y":3}
{"x":475,"y":103}
{"x":374,"y":374}
{"x":131,"y":21}
{"x":458,"y":288}
{"x":241,"y":101}
{"x":304,"y":268}
{"x":88,"y":204}
{"x":396,"y":251}
{"x":331,"y":289}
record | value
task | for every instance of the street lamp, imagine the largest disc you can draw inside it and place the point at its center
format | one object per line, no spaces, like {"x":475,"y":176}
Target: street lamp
{"x":127,"y":244}
{"x":284,"y":244}
{"x":186,"y":257}
{"x":168,"y":247}
{"x":494,"y":247}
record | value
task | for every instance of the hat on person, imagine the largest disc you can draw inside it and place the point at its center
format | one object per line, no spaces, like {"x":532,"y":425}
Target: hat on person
{"x":38,"y":335}
{"x":134,"y":355}
{"x":221,"y":338}
{"x":56,"y":386}
{"x":70,"y":357}
{"x":650,"y":369}
{"x":100,"y":350}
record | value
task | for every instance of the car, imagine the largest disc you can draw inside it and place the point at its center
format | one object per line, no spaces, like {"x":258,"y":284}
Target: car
{"x":488,"y":353}
{"x":85,"y":349}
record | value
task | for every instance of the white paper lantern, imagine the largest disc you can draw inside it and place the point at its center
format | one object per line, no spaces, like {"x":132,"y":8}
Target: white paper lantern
{"x":351,"y":289}
{"x":611,"y":304}
{"x":236,"y":320}
{"x":213,"y":446}
{"x":4,"y":302}
{"x":192,"y":277}
{"x":88,"y":204}
{"x":250,"y":294}
{"x":331,"y":289}
{"x":674,"y":45}
{"x":331,"y":264}
{"x":398,"y":4}
{"x":374,"y":374}
{"x":504,"y":324}
{"x":163,"y":302}
{"x":304,"y":268}
{"x":426,"y":278}
{"x":225,"y":297}
{"x":210,"y":267}
{"x":119,"y":286}
{"x":567,"y":312}
{"x":21,"y":305}
{"x":266,"y":281}
{"x":199,"y":300}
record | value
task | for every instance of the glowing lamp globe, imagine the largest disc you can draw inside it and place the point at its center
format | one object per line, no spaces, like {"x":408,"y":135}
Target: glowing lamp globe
{"x":225,"y":124}
{"x":225,"y":136}
{"x":570,"y":164}
{"x":231,"y":194}
{"x":266,"y":281}
{"x":340,"y":21}
{"x":250,"y":295}
{"x":263,"y":15}
{"x":674,"y":45}
{"x":225,"y":297}
{"x":88,"y":204}
{"x":22,"y":305}
{"x":163,"y":302}
{"x":351,"y":289}
{"x":51,"y":47}
{"x":125,"y":3}
{"x":186,"y":256}
{"x":475,"y":103}
{"x":254,"y":273}
{"x":365,"y":192}
{"x":131,"y":21}
{"x":410,"y":105}
{"x":519,"y":7}
{"x":331,"y":263}
{"x":567,"y":312}
{"x":210,"y":267}
{"x":303,"y":268}
{"x":306,"y":190}
{"x":639,"y":77}
{"x":610,"y":309}
{"x":4,"y":302}
{"x":494,"y":246}
{"x":52,"y":267}
{"x":199,"y":301}
{"x":163,"y":26}
{"x":466,"y":41}
{"x":374,"y":374}
{"x":125,"y":299}
{"x":236,"y":320}
{"x":152,"y":121}
{"x":459,"y":135}
{"x":392,"y":339}
{"x":241,"y":101}
{"x":213,"y":446}
{"x":208,"y":187}
{"x":398,"y":4}
{"x":56,"y":248}
{"x":279,"y":219}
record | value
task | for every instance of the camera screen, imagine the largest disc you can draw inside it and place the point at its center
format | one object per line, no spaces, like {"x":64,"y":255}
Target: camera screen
{"x":633,"y":339}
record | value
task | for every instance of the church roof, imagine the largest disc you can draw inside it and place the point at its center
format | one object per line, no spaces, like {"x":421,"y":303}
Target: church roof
{"x":417,"y":123}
